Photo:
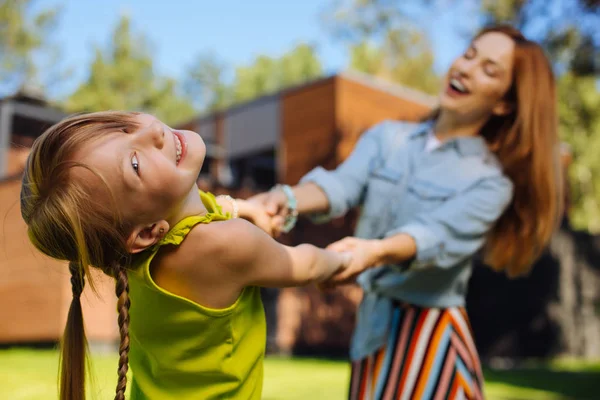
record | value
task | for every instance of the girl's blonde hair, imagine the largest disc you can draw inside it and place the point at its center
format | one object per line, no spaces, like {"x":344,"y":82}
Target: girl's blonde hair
{"x":67,"y":221}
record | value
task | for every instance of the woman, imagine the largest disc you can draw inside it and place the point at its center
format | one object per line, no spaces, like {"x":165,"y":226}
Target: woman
{"x":481,"y":173}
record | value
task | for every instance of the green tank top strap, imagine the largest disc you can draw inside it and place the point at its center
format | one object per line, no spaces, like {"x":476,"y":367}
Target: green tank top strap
{"x":178,"y":232}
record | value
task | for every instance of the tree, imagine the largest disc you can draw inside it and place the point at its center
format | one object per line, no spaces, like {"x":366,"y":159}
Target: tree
{"x":579,"y":105}
{"x":404,"y":57}
{"x":367,"y":57}
{"x":567,"y":29}
{"x":261,"y":77}
{"x":26,"y":51}
{"x":205,"y":83}
{"x":384,"y":41}
{"x":299,"y":65}
{"x":208,"y":90}
{"x":267,"y":74}
{"x":123,"y":78}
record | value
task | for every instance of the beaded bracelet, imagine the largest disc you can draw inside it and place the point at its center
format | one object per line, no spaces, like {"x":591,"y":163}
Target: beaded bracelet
{"x":234,"y":204}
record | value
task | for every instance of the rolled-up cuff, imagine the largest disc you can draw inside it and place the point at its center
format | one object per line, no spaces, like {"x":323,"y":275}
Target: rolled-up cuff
{"x":429,"y":246}
{"x":334,"y":191}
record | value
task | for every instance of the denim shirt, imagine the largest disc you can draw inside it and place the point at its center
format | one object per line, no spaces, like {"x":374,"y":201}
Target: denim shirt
{"x":447,"y":200}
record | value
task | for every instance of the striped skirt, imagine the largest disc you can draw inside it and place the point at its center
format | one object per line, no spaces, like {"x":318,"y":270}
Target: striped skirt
{"x":430,"y":354}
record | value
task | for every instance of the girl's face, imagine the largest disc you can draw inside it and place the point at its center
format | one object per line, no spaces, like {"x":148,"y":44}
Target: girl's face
{"x":151,"y":171}
{"x":477,"y":81}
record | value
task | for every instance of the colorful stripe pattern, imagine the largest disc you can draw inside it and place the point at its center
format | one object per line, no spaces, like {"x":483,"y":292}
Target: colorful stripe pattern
{"x":430,"y":354}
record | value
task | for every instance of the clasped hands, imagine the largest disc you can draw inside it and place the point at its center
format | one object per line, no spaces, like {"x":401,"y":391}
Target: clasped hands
{"x":268,"y":211}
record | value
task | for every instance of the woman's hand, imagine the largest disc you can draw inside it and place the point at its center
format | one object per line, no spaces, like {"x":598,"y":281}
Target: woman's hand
{"x":365,"y":254}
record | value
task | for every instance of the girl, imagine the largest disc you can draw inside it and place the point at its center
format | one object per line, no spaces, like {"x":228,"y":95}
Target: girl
{"x":483,"y":169}
{"x":117,"y":191}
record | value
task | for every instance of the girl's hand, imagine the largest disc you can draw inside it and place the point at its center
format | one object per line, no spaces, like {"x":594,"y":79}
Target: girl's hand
{"x":275,"y":203}
{"x":257,"y":214}
{"x":365,"y":254}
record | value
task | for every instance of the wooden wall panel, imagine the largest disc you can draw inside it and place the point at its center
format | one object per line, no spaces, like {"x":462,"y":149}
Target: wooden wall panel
{"x":308,"y":129}
{"x":35,"y":290}
{"x":358,"y":107}
{"x":17,"y":157}
{"x":30,"y":287}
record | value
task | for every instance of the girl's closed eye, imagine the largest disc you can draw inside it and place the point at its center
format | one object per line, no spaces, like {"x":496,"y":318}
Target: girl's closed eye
{"x":135,"y":164}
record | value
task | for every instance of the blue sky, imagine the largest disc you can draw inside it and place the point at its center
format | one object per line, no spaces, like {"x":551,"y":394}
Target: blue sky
{"x":235,"y":30}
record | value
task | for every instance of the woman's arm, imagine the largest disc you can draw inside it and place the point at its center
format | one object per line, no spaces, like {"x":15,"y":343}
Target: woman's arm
{"x":332,"y":193}
{"x":457,"y":229}
{"x":440,"y":238}
{"x":369,"y":253}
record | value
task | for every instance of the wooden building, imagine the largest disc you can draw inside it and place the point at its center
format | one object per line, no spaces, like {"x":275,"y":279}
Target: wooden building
{"x":250,"y":147}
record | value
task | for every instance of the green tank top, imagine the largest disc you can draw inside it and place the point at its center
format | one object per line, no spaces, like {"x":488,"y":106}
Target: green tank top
{"x":182,"y":350}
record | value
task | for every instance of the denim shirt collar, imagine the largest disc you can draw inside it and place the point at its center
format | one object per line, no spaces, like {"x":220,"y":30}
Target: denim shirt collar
{"x":466,"y":145}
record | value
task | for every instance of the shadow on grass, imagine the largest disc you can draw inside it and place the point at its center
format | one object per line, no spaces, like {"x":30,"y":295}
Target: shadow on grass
{"x":567,"y":384}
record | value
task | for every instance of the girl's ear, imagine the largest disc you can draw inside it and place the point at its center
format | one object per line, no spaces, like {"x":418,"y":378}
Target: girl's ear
{"x":146,"y":236}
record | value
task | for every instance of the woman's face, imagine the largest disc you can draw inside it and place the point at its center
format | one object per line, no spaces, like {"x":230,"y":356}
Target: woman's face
{"x":477,"y":81}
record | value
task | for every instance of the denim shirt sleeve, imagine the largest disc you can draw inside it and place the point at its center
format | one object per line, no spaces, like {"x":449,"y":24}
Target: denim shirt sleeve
{"x":456,"y":230}
{"x":344,"y":186}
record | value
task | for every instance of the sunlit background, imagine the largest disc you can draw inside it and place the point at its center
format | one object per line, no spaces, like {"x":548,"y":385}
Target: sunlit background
{"x":337,"y":67}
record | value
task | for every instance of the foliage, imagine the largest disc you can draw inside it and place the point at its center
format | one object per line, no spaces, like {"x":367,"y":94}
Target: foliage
{"x":205,"y":83}
{"x":205,"y":80}
{"x":385,"y":42}
{"x":27,"y":54}
{"x":579,"y":117}
{"x":123,"y":78}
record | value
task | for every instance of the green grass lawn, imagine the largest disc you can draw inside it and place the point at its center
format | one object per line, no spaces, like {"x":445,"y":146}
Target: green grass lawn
{"x":31,"y":374}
